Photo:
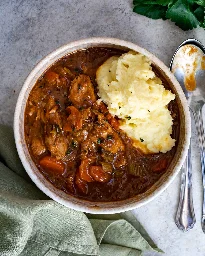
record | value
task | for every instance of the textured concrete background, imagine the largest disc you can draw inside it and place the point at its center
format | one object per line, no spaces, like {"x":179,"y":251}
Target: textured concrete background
{"x":29,"y":30}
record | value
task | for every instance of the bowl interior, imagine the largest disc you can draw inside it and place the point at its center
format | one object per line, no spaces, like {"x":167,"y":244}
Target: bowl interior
{"x":80,"y":204}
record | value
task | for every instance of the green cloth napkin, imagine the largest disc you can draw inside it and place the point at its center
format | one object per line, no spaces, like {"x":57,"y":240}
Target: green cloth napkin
{"x":33,"y":224}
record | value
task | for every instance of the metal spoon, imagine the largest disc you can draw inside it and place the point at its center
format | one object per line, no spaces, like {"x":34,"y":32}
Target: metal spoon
{"x":188,"y":65}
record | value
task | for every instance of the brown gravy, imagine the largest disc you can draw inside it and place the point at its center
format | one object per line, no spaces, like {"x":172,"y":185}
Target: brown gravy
{"x":77,"y":144}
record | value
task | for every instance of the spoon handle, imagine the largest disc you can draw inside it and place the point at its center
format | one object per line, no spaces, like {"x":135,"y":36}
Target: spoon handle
{"x":185,"y":217}
{"x":201,"y":136}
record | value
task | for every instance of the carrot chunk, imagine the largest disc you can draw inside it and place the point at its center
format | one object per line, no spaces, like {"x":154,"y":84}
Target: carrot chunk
{"x":98,"y":174}
{"x":81,"y":184}
{"x":113,"y":121}
{"x":51,"y":165}
{"x":51,"y":76}
{"x":160,"y":166}
{"x":84,"y":171}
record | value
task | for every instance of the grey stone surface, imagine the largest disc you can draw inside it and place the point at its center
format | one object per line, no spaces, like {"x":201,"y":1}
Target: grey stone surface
{"x":29,"y":30}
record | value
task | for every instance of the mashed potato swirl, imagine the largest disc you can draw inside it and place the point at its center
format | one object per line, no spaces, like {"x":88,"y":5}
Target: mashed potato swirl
{"x":135,"y":94}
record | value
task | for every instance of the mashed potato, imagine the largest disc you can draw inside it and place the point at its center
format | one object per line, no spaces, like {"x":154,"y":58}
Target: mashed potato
{"x":132,"y":92}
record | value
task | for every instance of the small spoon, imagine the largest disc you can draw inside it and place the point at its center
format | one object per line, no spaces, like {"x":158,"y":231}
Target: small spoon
{"x":188,"y":65}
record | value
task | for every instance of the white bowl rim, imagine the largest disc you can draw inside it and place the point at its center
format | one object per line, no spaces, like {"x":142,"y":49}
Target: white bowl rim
{"x":18,"y":126}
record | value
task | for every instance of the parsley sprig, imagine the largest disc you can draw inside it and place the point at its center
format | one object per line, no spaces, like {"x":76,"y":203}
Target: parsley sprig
{"x":187,"y":14}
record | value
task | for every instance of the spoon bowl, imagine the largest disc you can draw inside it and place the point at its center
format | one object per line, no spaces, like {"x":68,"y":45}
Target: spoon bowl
{"x":188,"y":66}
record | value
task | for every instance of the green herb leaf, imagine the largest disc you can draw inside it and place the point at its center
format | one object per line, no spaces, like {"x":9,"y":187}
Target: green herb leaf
{"x":151,"y":11}
{"x":187,"y":14}
{"x":191,"y":2}
{"x":128,"y":117}
{"x":141,"y":140}
{"x":203,"y":24}
{"x":200,"y":2}
{"x":199,"y":13}
{"x":181,"y":14}
{"x":160,"y":2}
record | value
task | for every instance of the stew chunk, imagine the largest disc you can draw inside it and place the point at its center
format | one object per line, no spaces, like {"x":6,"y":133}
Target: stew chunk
{"x":82,"y":92}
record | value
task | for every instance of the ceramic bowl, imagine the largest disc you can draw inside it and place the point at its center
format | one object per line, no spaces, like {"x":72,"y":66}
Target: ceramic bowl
{"x":80,"y":204}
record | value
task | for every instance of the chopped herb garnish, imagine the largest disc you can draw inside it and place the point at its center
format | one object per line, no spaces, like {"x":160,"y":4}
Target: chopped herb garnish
{"x":41,"y":86}
{"x":148,"y":110}
{"x":68,"y":151}
{"x":141,"y":140}
{"x":99,"y":141}
{"x":77,"y":70}
{"x":108,"y":85}
{"x":128,"y":117}
{"x":74,"y":144}
{"x":109,"y":137}
{"x":57,"y":102}
{"x":119,"y":107}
